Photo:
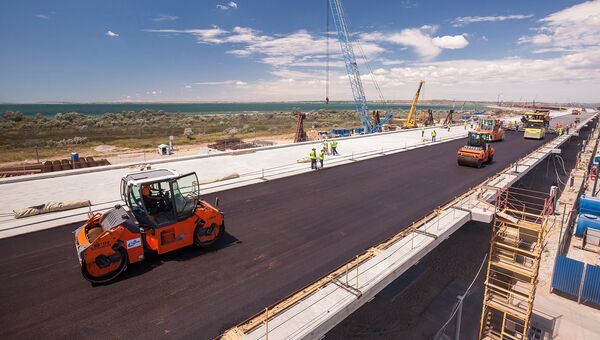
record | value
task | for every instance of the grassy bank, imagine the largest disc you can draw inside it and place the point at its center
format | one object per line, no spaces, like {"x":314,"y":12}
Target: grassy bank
{"x":66,"y":132}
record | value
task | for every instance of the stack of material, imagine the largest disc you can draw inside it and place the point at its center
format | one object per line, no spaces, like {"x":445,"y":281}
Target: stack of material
{"x":51,"y":166}
{"x":230,"y":144}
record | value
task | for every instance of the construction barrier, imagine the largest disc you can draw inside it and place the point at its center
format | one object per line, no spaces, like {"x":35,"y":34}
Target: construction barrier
{"x":567,"y":275}
{"x":591,"y":284}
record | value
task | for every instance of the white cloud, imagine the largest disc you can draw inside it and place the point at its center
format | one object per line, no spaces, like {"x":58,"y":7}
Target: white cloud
{"x":574,"y":27}
{"x":188,"y":86}
{"x":462,"y":21}
{"x":239,"y":53}
{"x":111,"y":34}
{"x":299,"y":48}
{"x":203,"y":36}
{"x":165,"y":17}
{"x":451,"y":42}
{"x":229,"y":5}
{"x":391,"y":61}
{"x":420,"y":39}
{"x":43,"y":16}
{"x":224,"y":82}
{"x":550,"y":49}
{"x":408,"y":4}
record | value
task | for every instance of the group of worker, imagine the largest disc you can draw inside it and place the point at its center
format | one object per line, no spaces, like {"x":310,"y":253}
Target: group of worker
{"x":321,"y":156}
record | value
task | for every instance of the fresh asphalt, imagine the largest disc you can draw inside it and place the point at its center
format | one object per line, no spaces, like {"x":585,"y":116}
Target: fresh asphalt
{"x":281,"y":236}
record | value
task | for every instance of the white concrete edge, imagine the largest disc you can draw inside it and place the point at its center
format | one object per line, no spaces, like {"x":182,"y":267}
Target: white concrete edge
{"x":63,"y":173}
{"x":48,"y":221}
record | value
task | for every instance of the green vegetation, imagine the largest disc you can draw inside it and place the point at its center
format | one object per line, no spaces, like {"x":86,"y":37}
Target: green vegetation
{"x":72,"y":131}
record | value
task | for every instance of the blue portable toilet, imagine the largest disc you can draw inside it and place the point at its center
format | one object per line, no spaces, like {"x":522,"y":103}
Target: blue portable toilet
{"x":589,"y":215}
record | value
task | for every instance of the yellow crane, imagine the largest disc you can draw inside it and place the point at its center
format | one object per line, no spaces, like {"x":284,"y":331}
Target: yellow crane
{"x":410,"y":120}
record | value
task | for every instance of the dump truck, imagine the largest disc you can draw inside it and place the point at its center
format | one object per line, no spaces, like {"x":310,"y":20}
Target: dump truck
{"x":477,"y":151}
{"x":164,"y":213}
{"x":493,"y":127}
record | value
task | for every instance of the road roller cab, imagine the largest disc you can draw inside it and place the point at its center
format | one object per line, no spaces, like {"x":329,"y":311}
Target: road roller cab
{"x":477,"y":151}
{"x":493,"y":127}
{"x":164,"y":213}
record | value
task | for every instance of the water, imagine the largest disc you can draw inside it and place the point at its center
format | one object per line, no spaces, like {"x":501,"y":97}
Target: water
{"x":49,"y":110}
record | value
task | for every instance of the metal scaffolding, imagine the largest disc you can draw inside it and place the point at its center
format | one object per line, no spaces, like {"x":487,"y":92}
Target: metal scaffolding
{"x":520,"y":226}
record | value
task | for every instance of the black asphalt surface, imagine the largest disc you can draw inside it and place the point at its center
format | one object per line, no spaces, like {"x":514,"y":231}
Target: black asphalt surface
{"x":282,"y":235}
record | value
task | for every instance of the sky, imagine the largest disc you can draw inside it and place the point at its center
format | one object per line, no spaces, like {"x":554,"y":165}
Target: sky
{"x":276,"y":50}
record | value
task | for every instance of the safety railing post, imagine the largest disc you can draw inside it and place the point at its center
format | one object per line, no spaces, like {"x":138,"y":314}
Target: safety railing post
{"x":357,"y":272}
{"x":267,"y":323}
{"x":347,"y":269}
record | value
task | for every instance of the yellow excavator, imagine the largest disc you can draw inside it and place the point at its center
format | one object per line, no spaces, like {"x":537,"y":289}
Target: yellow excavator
{"x":411,"y":121}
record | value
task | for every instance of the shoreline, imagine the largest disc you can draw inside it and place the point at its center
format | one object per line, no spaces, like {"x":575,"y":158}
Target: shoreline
{"x":96,"y":109}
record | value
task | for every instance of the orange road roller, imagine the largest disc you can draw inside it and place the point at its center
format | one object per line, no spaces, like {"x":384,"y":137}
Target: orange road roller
{"x":164,"y":213}
{"x":493,"y":127}
{"x":477,"y":151}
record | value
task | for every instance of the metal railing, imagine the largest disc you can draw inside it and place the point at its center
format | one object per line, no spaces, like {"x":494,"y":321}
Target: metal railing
{"x":250,"y":176}
{"x":346,"y":271}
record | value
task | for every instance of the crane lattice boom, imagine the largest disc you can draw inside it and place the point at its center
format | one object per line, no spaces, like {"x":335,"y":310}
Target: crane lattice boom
{"x":350,"y":60}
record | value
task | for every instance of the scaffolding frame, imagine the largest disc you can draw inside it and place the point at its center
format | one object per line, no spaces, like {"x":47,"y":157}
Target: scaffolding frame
{"x":519,"y":228}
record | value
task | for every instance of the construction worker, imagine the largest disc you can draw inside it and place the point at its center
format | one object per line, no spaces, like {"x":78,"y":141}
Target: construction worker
{"x":326,"y":145}
{"x":449,"y":125}
{"x":465,"y":124}
{"x":313,"y":159}
{"x":422,"y":131}
{"x":334,"y":147}
{"x":322,"y":157}
{"x":433,"y":135}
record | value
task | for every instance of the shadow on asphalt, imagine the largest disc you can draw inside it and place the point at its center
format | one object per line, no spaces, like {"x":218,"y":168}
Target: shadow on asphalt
{"x":154,"y":260}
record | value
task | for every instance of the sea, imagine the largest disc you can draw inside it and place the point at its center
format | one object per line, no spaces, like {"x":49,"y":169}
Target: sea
{"x":49,"y":110}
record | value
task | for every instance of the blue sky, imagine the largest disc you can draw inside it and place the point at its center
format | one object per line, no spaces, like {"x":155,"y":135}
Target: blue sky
{"x":269,"y":50}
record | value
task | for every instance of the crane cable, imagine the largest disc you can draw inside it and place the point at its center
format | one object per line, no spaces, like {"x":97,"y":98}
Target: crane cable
{"x":362,"y":54}
{"x":327,"y":59}
{"x":364,"y":57}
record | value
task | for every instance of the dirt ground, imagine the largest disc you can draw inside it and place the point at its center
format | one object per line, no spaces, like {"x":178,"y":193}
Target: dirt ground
{"x":120,"y":155}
